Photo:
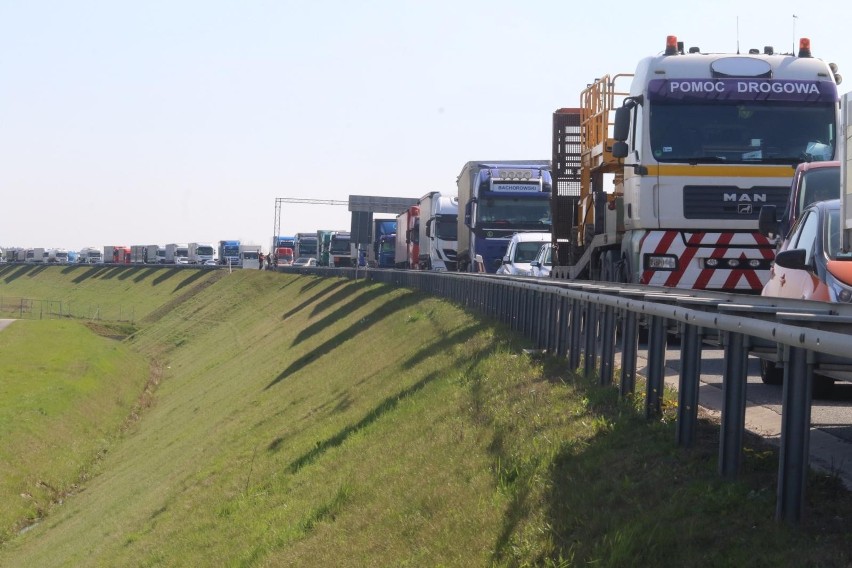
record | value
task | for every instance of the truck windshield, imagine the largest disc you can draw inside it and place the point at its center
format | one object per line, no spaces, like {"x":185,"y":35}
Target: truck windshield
{"x":204,"y":250}
{"x":746,"y":132}
{"x":520,"y":212}
{"x":446,"y":228}
{"x":340,"y":246}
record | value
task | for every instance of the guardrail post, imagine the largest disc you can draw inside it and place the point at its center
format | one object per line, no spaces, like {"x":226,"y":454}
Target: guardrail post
{"x":733,"y":404}
{"x":629,"y":348}
{"x":656,"y":367}
{"x":577,"y":310}
{"x":590,"y":328}
{"x":795,"y":435}
{"x":607,"y":345}
{"x":562,"y":333}
{"x":687,"y":394}
{"x":690,"y":371}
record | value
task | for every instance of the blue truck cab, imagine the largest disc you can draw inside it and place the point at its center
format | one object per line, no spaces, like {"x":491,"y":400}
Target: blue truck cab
{"x":500,"y":198}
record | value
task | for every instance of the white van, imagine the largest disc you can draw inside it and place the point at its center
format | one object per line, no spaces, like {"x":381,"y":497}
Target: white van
{"x":522,"y":250}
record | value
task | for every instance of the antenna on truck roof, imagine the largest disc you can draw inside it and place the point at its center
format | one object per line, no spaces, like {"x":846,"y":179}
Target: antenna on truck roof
{"x":795,"y":17}
{"x":738,"y":35}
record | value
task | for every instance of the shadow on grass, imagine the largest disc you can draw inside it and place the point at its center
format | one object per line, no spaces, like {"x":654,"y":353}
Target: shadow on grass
{"x":112,"y":272}
{"x":314,"y":282}
{"x":387,"y":405}
{"x":12,"y":273}
{"x":127,"y":272}
{"x":443,"y":344}
{"x":338,"y":296}
{"x":89,"y":272}
{"x":344,"y":310}
{"x":167,"y":273}
{"x":145,"y":273}
{"x":385,"y":310}
{"x":314,"y":298}
{"x":197,"y":274}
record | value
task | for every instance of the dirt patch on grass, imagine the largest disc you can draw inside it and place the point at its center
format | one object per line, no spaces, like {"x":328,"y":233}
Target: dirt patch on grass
{"x":117,"y":331}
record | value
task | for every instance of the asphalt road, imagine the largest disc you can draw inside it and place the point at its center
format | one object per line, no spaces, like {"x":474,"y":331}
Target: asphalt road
{"x":831,"y":418}
{"x":5,"y":322}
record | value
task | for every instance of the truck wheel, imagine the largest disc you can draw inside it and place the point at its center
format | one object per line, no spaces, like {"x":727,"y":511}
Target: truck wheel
{"x":770,"y":373}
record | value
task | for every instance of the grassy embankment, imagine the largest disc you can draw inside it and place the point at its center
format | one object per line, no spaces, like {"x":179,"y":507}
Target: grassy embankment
{"x":311,"y":422}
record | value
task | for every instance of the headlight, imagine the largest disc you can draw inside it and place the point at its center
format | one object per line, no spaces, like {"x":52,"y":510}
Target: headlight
{"x":837,"y":290}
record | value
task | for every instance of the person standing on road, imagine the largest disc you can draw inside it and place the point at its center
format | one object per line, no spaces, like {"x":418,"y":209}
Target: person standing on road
{"x":260,"y":257}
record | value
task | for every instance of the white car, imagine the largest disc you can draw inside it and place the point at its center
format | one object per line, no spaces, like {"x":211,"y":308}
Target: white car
{"x":541,"y":265}
{"x":521,"y":251}
{"x":305,"y":261}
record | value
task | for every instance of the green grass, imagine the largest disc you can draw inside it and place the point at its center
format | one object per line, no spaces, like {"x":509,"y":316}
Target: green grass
{"x":95,"y":292}
{"x":320,"y":422}
{"x":61,"y":407}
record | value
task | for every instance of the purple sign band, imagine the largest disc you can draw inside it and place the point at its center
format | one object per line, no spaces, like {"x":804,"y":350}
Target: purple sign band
{"x":744,"y":89}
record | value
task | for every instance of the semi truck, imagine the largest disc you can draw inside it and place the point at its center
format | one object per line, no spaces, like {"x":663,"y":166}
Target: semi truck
{"x":499,"y":198}
{"x":39,"y":255}
{"x":90,"y":255}
{"x":381,"y":228}
{"x":144,"y":254}
{"x":200,"y":253}
{"x":407,"y":245}
{"x":438,"y":240}
{"x":177,"y":253}
{"x":693,"y":148}
{"x":282,"y":241}
{"x":229,"y":253}
{"x":57,"y":256}
{"x":117,"y":254}
{"x":306,"y":245}
{"x":386,"y":251}
{"x":341,"y":250}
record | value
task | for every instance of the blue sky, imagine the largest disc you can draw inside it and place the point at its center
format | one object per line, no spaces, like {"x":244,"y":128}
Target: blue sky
{"x":177,"y":121}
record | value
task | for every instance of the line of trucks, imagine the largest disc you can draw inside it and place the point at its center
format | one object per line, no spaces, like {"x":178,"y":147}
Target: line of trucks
{"x":228,"y":252}
{"x":657,"y":177}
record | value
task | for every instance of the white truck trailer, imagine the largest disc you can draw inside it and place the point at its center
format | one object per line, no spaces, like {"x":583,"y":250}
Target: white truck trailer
{"x":438,"y":231}
{"x":177,"y":253}
{"x":201,"y":253}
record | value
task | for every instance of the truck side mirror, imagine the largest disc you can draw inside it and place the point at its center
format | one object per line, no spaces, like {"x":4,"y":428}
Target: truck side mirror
{"x":767,"y":222}
{"x":621,"y":127}
{"x":506,"y":260}
{"x":429,"y":228}
{"x":619,"y":150}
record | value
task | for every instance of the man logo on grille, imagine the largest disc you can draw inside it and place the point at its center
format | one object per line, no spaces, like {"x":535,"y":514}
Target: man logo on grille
{"x":744,"y":208}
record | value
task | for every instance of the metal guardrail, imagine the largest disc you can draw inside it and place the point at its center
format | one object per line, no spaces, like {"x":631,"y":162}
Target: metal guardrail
{"x":582,"y":320}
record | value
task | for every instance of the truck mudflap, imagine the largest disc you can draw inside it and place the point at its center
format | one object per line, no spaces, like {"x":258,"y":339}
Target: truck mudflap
{"x":725,"y":261}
